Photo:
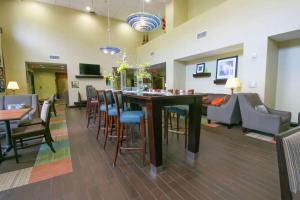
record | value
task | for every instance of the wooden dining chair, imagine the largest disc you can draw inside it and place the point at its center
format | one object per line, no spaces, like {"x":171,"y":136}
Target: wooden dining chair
{"x":34,"y":132}
{"x":125,"y":118}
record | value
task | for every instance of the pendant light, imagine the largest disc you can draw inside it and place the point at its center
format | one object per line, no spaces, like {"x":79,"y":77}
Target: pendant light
{"x":109,"y":49}
{"x":143,"y":21}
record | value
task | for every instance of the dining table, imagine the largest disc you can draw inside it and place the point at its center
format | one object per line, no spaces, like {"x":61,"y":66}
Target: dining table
{"x":7,"y":116}
{"x":154,"y":104}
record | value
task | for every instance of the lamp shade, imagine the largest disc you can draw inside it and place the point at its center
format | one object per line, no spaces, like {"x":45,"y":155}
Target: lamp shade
{"x":13,"y":85}
{"x":233,"y":83}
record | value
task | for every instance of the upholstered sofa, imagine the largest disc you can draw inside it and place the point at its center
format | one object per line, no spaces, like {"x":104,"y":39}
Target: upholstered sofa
{"x":208,"y":98}
{"x":29,"y":100}
{"x":272,"y":122}
{"x":228,"y":113}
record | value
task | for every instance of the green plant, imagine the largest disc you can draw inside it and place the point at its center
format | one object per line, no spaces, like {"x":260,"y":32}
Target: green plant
{"x":122,"y":66}
{"x":143,"y":72}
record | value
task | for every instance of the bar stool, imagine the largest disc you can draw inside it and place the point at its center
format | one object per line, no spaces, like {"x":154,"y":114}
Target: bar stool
{"x":101,"y":110}
{"x":92,"y":104}
{"x":128,"y":118}
{"x":178,"y":110}
{"x":110,"y":115}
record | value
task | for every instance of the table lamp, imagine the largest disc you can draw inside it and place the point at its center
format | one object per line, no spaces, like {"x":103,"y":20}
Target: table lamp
{"x":233,"y":83}
{"x":13,"y":85}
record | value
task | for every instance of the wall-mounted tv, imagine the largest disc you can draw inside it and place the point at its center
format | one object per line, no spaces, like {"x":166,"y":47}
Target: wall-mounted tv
{"x":89,"y":69}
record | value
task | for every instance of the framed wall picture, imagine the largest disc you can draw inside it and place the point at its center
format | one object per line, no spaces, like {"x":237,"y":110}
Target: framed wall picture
{"x":1,"y":73}
{"x":200,"y":68}
{"x":75,"y":84}
{"x":2,"y":85}
{"x":227,"y":68}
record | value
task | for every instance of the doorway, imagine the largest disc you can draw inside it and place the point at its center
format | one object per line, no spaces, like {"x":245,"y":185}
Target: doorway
{"x":158,"y":73}
{"x":61,"y":83}
{"x":47,"y":79}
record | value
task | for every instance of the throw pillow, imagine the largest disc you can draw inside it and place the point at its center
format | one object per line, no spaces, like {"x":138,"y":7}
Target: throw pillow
{"x":262,"y":109}
{"x":15,"y":106}
{"x":217,"y":101}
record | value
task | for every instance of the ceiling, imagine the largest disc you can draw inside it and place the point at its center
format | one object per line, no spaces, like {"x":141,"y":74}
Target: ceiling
{"x":119,"y":9}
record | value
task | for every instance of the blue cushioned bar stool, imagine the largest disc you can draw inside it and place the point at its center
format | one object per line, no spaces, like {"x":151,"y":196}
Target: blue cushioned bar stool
{"x":178,"y":110}
{"x":101,"y":110}
{"x":128,"y":118}
{"x":110,"y":115}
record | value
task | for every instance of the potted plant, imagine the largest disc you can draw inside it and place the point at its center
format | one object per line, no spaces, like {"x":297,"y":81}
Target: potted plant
{"x":142,"y":73}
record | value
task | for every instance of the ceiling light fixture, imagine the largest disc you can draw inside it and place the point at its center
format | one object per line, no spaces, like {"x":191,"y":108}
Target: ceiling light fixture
{"x":109,"y":49}
{"x":148,"y":1}
{"x":143,"y":21}
{"x":88,"y":8}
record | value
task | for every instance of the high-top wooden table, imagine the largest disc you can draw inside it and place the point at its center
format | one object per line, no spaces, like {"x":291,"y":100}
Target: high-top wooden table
{"x":8,"y":115}
{"x":154,"y":105}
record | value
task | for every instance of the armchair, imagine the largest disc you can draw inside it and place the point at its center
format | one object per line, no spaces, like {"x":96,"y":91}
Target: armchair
{"x":228,"y":113}
{"x":273,"y":122}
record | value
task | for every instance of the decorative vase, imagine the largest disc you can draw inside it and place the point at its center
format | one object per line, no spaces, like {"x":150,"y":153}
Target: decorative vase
{"x":123,"y":80}
{"x":140,"y":87}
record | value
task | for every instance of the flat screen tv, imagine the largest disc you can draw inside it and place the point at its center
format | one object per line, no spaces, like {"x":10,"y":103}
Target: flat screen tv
{"x":89,"y":69}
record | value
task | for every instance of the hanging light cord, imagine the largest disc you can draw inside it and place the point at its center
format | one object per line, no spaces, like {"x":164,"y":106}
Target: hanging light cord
{"x":108,"y":23}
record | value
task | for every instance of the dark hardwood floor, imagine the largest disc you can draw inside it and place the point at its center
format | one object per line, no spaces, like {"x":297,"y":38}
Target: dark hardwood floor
{"x":230,"y":166}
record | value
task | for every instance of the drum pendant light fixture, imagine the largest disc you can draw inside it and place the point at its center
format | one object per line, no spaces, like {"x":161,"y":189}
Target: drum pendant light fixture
{"x":143,"y":21}
{"x":109,"y":49}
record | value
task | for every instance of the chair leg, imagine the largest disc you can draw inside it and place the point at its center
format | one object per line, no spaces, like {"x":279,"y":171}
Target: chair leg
{"x":106,"y":131}
{"x":21,"y":141}
{"x":89,"y":118}
{"x":15,"y":150}
{"x":167,"y":132}
{"x":87,"y":108}
{"x":177,"y":121}
{"x":99,"y":123}
{"x":185,"y":131}
{"x":94,"y":112}
{"x":117,"y":148}
{"x":49,"y":142}
{"x":142,"y":129}
{"x":54,"y":109}
{"x":166,"y":124}
{"x":121,"y":129}
{"x":170,"y":118}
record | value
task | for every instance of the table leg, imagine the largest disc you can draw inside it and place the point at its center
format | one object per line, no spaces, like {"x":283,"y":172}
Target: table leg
{"x":154,"y":116}
{"x":8,"y":137}
{"x":194,"y":129}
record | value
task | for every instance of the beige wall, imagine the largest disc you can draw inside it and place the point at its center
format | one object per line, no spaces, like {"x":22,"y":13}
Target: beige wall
{"x":288,"y":82}
{"x":197,"y":7}
{"x":271,"y":74}
{"x":33,"y":31}
{"x":180,"y":14}
{"x":250,"y":23}
{"x":207,"y":84}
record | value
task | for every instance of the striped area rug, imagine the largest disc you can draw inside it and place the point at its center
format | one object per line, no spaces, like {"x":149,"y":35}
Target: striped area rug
{"x":261,"y":137}
{"x":47,"y":164}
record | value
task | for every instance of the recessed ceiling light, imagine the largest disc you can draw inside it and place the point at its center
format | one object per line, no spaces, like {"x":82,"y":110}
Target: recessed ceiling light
{"x":88,"y":8}
{"x":148,"y":1}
